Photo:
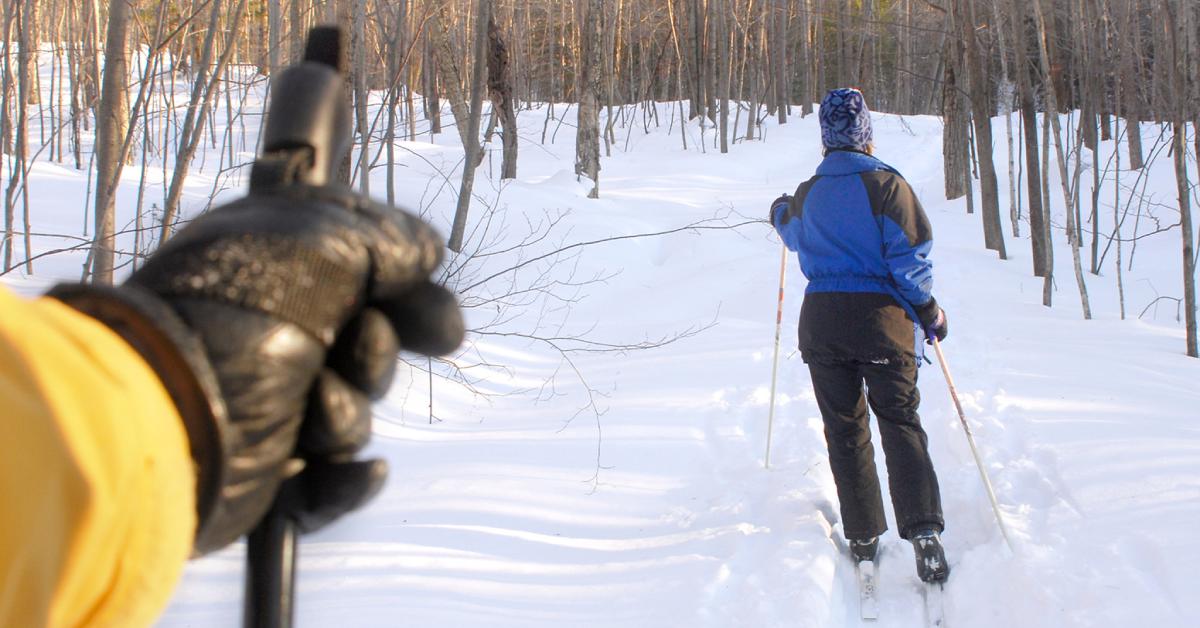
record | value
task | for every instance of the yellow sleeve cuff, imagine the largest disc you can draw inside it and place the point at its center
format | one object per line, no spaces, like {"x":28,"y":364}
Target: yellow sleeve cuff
{"x":95,"y":476}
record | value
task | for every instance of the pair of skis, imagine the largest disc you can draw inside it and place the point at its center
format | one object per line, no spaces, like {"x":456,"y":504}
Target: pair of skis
{"x":868,"y":600}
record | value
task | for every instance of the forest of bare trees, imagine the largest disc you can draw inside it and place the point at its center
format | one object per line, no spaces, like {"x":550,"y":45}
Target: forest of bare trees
{"x":116,"y":70}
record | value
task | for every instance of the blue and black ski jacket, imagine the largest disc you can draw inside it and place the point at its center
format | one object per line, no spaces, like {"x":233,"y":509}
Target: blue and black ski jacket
{"x":863,"y":242}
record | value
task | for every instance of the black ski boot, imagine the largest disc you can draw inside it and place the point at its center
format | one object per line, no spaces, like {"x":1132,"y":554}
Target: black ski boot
{"x":864,"y":549}
{"x":931,"y":557}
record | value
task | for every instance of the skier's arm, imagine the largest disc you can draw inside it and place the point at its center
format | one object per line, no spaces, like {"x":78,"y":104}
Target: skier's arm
{"x":96,"y":483}
{"x":907,"y":237}
{"x":785,"y":213}
{"x":162,"y":417}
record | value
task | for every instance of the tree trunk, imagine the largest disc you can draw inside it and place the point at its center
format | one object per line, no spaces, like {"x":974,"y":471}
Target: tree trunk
{"x":203,"y":90}
{"x":806,"y":84}
{"x":690,"y":17}
{"x":429,"y":82}
{"x":466,"y":120}
{"x":1037,"y":213}
{"x":721,"y":30}
{"x":358,"y":79}
{"x":500,"y":88}
{"x":16,"y":164}
{"x":1183,"y":66}
{"x":955,"y":147}
{"x":1132,"y":92}
{"x":111,"y":118}
{"x":1047,"y":208}
{"x":1052,"y":106}
{"x":979,"y":79}
{"x":1189,"y":259}
{"x":395,"y":42}
{"x":274,"y":36}
{"x":905,"y":69}
{"x":1007,"y":88}
{"x":31,"y":34}
{"x":587,"y":138}
{"x":298,"y":30}
{"x":820,"y":51}
{"x":752,"y":72}
{"x":864,"y":61}
{"x":780,"y":50}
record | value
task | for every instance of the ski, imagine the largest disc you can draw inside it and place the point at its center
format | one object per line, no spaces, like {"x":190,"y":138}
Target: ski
{"x":934,"y":612}
{"x":868,"y":604}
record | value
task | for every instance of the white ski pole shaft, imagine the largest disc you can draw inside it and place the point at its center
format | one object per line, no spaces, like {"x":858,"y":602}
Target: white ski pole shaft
{"x":987,"y":483}
{"x":775,"y":365}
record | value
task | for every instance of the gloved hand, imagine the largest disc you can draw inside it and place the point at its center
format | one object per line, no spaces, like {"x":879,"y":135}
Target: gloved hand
{"x":933,"y":321}
{"x":272,"y":322}
{"x":785,"y":200}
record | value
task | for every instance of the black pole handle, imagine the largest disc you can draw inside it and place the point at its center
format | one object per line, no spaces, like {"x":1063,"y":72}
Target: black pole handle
{"x":307,"y":131}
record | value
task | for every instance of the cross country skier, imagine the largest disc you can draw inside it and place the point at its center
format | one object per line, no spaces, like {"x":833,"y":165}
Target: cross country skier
{"x":863,"y":239}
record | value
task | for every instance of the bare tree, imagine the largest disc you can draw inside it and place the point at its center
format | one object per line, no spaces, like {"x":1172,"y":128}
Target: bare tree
{"x":959,"y":58}
{"x":467,"y":120}
{"x":779,"y":50}
{"x":500,"y":90}
{"x":1052,"y":114}
{"x":956,"y":149}
{"x":358,"y":83}
{"x":31,"y":29}
{"x":721,"y":50}
{"x":587,"y":139}
{"x":981,"y":115}
{"x":1131,"y":46}
{"x":204,"y":89}
{"x":1037,"y":211}
{"x":18,"y":165}
{"x":110,"y":135}
{"x":1182,"y":68}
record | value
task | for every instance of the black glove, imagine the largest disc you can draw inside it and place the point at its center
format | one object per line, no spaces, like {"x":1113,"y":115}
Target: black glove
{"x":784,"y":199}
{"x":272,"y":321}
{"x":933,"y":321}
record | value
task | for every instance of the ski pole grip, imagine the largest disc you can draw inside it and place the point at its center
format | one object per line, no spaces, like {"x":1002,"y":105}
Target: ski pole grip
{"x":307,"y":132}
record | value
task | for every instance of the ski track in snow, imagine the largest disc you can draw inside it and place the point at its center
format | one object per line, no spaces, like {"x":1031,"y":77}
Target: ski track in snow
{"x":517,"y":511}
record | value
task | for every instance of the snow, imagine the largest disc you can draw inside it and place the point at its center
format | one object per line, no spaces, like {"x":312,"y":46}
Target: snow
{"x":629,"y":488}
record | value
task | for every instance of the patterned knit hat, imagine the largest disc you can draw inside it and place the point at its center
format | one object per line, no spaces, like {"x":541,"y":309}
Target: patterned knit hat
{"x":845,"y":120}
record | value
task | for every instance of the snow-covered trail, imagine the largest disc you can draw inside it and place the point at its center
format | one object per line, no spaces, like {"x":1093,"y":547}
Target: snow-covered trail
{"x":497,"y":517}
{"x":655,"y":509}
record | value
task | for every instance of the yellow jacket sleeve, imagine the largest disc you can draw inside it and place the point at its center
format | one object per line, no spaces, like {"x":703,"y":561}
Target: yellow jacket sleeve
{"x":97,"y":489}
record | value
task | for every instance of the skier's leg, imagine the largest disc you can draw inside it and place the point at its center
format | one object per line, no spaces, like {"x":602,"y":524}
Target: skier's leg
{"x":838,"y":389}
{"x":893,"y":395}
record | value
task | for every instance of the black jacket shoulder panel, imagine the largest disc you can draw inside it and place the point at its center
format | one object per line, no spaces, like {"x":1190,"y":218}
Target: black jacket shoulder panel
{"x":796,"y":206}
{"x":891,"y":196}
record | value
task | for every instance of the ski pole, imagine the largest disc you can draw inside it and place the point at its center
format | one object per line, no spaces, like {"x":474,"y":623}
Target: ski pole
{"x":987,"y":483}
{"x":305,"y":128}
{"x":271,"y":552}
{"x":775,"y":366}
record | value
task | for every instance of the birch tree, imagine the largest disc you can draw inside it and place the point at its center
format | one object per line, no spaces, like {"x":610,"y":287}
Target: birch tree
{"x":1052,"y":113}
{"x":204,"y":89}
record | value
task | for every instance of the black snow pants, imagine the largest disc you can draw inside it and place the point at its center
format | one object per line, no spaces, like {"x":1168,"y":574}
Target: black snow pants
{"x":891,"y":390}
